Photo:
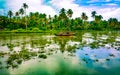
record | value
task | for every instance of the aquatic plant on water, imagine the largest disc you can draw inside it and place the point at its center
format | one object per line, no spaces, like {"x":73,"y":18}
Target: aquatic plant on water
{"x":42,"y":56}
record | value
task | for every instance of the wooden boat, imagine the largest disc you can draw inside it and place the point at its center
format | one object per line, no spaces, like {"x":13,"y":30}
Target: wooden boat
{"x":65,"y":34}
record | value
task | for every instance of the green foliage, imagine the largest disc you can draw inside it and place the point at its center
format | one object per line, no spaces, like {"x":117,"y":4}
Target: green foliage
{"x":35,"y":30}
{"x":2,"y":54}
{"x":20,"y":30}
{"x":10,"y":46}
{"x":38,"y":22}
{"x":42,"y":56}
{"x":19,"y":61}
{"x":71,"y":48}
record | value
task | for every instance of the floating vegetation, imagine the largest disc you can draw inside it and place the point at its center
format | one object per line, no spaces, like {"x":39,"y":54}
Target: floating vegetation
{"x":111,"y":55}
{"x":78,"y":48}
{"x":94,"y":45}
{"x":0,"y":63}
{"x":71,"y":54}
{"x":32,"y":54}
{"x":2,"y":54}
{"x":85,"y":60}
{"x":42,"y":56}
{"x":14,"y":66}
{"x":25,"y":54}
{"x":41,"y":51}
{"x":107,"y":59}
{"x":105,"y":42}
{"x":118,"y":48}
{"x":15,"y":59}
{"x":9,"y":62}
{"x":17,"y":44}
{"x":71,"y":48}
{"x":3,"y":44}
{"x":96,"y":60}
{"x":8,"y":66}
{"x":10,"y":46}
{"x":1,"y":67}
{"x":32,"y":48}
{"x":19,"y":61}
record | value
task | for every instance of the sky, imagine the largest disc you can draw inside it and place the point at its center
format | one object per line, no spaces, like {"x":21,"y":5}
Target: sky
{"x":106,"y":8}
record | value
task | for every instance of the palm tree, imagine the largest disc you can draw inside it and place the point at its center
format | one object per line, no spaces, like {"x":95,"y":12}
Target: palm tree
{"x":69,"y":13}
{"x":10,"y":14}
{"x":50,"y":18}
{"x":62,"y":14}
{"x":83,"y":16}
{"x":93,"y":14}
{"x":25,"y":6}
{"x":21,"y":11}
{"x":62,"y":18}
{"x":17,"y":15}
{"x":98,"y":18}
{"x":113,"y":22}
{"x":86,"y":18}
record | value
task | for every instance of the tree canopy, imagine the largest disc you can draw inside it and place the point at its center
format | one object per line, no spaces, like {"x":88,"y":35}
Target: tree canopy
{"x":63,"y":21}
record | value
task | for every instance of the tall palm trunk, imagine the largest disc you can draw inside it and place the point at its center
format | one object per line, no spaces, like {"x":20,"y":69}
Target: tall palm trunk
{"x":25,"y":6}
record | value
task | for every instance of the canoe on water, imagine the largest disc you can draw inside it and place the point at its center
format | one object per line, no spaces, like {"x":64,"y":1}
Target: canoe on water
{"x":65,"y":34}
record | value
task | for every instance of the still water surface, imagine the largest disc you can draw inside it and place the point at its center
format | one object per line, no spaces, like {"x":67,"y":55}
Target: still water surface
{"x":87,"y":53}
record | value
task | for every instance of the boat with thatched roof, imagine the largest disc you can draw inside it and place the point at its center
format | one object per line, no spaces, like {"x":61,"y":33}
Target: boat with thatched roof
{"x":65,"y":34}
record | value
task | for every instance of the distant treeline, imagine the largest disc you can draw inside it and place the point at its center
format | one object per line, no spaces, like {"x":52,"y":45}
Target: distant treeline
{"x":20,"y":21}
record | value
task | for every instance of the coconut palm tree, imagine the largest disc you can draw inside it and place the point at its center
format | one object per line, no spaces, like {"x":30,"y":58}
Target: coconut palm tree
{"x":93,"y":14}
{"x":21,"y":11}
{"x":113,"y":22}
{"x":62,"y":14}
{"x":25,"y":6}
{"x":83,"y":16}
{"x":69,"y":13}
{"x":98,"y":18}
{"x":10,"y":14}
{"x":86,"y":18}
{"x":63,"y":18}
{"x":16,"y":15}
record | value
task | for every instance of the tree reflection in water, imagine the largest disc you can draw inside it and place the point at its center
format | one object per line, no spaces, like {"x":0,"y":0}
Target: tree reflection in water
{"x":90,"y":47}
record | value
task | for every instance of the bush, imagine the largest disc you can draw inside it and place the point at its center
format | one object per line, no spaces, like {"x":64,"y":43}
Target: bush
{"x":20,"y":30}
{"x":35,"y":30}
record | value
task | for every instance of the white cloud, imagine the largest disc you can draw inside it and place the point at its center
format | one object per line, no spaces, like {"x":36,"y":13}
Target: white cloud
{"x":64,"y":4}
{"x":34,"y":6}
{"x":106,"y":12}
{"x":110,"y":5}
{"x":38,"y":5}
{"x":110,"y":12}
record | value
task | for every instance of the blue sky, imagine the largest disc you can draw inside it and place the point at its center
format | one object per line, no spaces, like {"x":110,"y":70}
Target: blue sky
{"x":107,"y":8}
{"x":97,"y":2}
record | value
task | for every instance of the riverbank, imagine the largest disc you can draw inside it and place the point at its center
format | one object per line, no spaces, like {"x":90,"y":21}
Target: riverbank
{"x":52,"y":31}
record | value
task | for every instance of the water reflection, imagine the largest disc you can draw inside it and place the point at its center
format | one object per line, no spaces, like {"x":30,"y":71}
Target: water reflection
{"x":91,"y":52}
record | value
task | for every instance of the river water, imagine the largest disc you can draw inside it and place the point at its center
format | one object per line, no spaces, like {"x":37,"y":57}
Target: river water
{"x":86,"y":53}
